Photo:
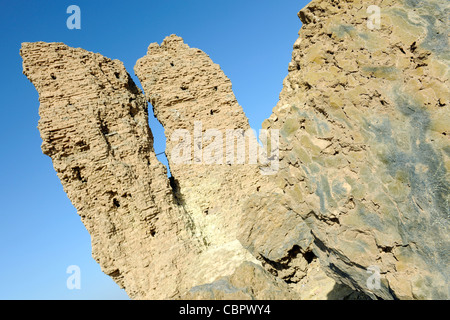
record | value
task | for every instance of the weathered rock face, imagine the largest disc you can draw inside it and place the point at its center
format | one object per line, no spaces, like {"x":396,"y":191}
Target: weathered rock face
{"x":145,"y":235}
{"x":190,"y":94}
{"x":193,"y":100}
{"x":94,"y":126}
{"x":364,"y":145}
{"x":361,"y":178}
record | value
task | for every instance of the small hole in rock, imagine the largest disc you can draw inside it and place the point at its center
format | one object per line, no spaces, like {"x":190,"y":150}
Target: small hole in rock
{"x":78,"y":176}
{"x":104,"y":127}
{"x":309,"y":256}
{"x":82,"y":145}
{"x":115,"y":273}
{"x":387,"y":249}
{"x":116,"y":203}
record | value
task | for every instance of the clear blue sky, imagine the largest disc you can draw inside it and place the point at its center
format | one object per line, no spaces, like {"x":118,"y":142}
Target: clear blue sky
{"x":40,"y":231}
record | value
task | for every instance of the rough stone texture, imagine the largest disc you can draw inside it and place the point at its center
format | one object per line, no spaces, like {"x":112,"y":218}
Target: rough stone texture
{"x":186,"y":88}
{"x":364,"y":145}
{"x":145,"y":235}
{"x":94,"y":126}
{"x":363,"y":172}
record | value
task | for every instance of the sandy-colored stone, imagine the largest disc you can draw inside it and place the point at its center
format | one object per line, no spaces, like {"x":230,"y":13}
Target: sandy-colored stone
{"x":158,"y":238}
{"x":186,"y":88}
{"x":386,"y":204}
{"x":94,"y":126}
{"x":361,"y":181}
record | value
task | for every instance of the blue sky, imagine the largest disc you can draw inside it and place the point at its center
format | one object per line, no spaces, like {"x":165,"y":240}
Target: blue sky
{"x":40,"y":231}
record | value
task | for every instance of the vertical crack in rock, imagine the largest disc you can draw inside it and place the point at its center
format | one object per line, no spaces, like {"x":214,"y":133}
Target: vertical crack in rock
{"x":191,"y":97}
{"x":194,"y":101}
{"x":94,"y":126}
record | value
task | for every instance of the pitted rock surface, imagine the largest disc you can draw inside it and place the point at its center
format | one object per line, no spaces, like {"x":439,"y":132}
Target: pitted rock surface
{"x":361,"y":184}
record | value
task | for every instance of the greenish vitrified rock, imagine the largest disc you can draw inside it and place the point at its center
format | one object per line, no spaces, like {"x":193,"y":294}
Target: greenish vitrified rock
{"x":301,"y":154}
{"x":378,"y":194}
{"x":390,"y":73}
{"x":291,"y":125}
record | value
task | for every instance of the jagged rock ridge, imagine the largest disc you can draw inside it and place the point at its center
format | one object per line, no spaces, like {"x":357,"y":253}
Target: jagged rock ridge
{"x":145,"y":235}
